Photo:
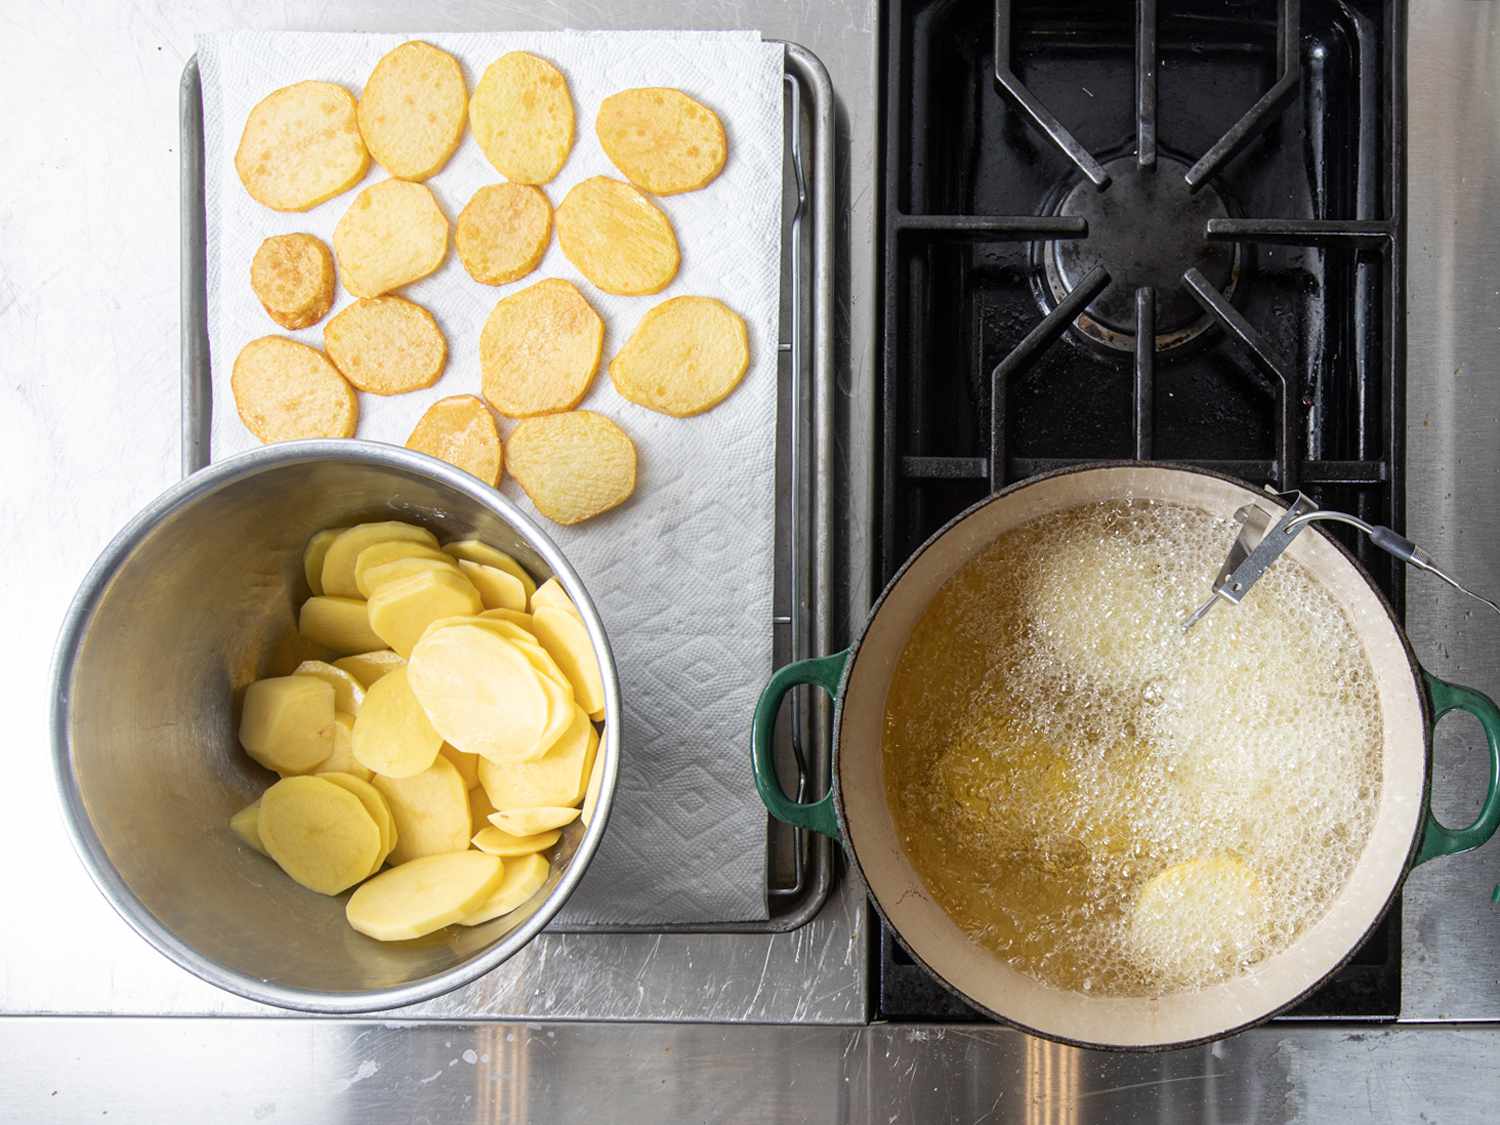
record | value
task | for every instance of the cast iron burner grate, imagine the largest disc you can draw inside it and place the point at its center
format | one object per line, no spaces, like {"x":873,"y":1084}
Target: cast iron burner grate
{"x":1171,"y":230}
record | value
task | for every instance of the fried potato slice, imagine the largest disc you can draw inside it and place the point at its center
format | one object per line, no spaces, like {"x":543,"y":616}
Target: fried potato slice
{"x":386,"y":345}
{"x":503,"y":231}
{"x":374,"y":804}
{"x":393,"y":233}
{"x":524,"y":876}
{"x":318,"y":833}
{"x":342,"y":624}
{"x":522,"y":116}
{"x":314,"y":554}
{"x":539,"y":349}
{"x":566,"y":640}
{"x":286,"y":722}
{"x":411,"y":112}
{"x":377,"y":555}
{"x":348,"y":693}
{"x":392,"y":736}
{"x":498,"y":589}
{"x":284,"y":390}
{"x":292,"y":277}
{"x":400,"y":611}
{"x":1196,"y":918}
{"x":530,"y":821}
{"x":662,"y":140}
{"x":617,"y":238}
{"x":461,"y":431}
{"x":557,"y":778}
{"x":341,"y":560}
{"x":479,"y":691}
{"x":573,"y":466}
{"x":301,"y":145}
{"x":431,"y":810}
{"x":369,"y":667}
{"x":245,"y":825}
{"x":491,"y":841}
{"x":476,"y":551}
{"x":424,"y":895}
{"x":342,"y":760}
{"x":685,"y":356}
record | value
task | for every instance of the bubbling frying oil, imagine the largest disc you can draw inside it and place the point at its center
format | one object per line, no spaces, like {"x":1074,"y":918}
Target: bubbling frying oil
{"x":1109,"y":804}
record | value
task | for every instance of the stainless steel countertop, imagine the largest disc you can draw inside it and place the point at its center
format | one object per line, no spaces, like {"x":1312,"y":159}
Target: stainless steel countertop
{"x":88,"y":292}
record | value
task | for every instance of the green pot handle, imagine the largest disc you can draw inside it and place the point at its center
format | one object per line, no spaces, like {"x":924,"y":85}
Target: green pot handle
{"x":1436,"y":839}
{"x":825,"y":671}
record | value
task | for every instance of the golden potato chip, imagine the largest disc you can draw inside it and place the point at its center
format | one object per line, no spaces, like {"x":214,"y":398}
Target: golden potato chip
{"x":285,"y":390}
{"x":461,"y":431}
{"x":522,"y":116}
{"x":503,"y":232}
{"x":573,"y":466}
{"x":292,"y":277}
{"x":301,"y":145}
{"x":617,"y":238}
{"x":540,"y":349}
{"x":386,"y":345}
{"x":661,"y":139}
{"x":412,"y":110}
{"x":393,"y":233}
{"x":684,"y":357}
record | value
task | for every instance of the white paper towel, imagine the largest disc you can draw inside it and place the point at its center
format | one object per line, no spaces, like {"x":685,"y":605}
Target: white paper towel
{"x":682,"y":573}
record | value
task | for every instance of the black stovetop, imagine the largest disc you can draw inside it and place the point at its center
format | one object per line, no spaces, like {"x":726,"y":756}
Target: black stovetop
{"x":1168,"y":230}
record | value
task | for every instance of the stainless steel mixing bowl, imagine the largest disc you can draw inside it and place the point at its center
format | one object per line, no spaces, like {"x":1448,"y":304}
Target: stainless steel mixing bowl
{"x":195,"y":598}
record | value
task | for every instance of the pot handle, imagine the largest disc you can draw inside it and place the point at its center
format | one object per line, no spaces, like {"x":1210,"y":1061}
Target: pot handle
{"x":825,"y":671}
{"x":1436,"y":839}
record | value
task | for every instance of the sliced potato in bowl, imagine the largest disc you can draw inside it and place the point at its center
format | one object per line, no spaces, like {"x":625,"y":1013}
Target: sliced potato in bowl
{"x":318,"y":833}
{"x":424,"y":895}
{"x":528,"y":822}
{"x":286,"y":722}
{"x":524,"y":876}
{"x":431,"y":811}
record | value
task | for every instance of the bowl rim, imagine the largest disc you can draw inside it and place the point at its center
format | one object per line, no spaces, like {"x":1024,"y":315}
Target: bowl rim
{"x":90,"y":849}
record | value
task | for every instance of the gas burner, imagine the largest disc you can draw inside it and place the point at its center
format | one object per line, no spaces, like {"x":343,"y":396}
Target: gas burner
{"x":1146,"y":228}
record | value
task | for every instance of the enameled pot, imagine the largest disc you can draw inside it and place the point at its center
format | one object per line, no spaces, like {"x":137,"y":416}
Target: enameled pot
{"x":1404,"y":832}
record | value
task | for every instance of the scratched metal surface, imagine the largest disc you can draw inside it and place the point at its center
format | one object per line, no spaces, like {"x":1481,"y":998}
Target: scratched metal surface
{"x":89,"y":314}
{"x":70,"y":1071}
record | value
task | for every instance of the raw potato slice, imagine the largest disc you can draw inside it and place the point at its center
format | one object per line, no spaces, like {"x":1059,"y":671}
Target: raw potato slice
{"x":591,"y":794}
{"x":685,"y":357}
{"x":425,"y":895}
{"x":467,"y":765}
{"x":524,"y":876}
{"x":557,"y":778}
{"x":461,"y":431}
{"x":566,"y":640}
{"x":292,"y":277}
{"x":301,"y":145}
{"x":491,"y":841}
{"x":348,"y":693}
{"x":552,"y":593}
{"x":662,"y":140}
{"x":411,"y":113}
{"x":245,"y":825}
{"x":502,"y":232}
{"x":475,"y":551}
{"x":498,"y":589}
{"x":522,"y":116}
{"x":392,"y":550}
{"x":530,"y":821}
{"x":398,"y":569}
{"x":391,"y":733}
{"x":521,"y":638}
{"x":479,"y":805}
{"x":617,"y":238}
{"x":386,"y":346}
{"x":518,"y":618}
{"x":342,"y":760}
{"x":431,"y":810}
{"x":285,"y":391}
{"x":375,"y":805}
{"x":318,"y":833}
{"x":559,"y":718}
{"x":286,"y":723}
{"x":479,"y":690}
{"x":367,"y":667}
{"x":314,"y":554}
{"x":539,"y":350}
{"x":393,"y":233}
{"x":342,"y":624}
{"x":572,"y":466}
{"x":339,"y":574}
{"x":400,"y":611}
{"x":1197,"y":918}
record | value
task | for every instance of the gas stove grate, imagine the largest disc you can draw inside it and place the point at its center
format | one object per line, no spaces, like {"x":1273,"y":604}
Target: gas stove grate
{"x":1022,"y":333}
